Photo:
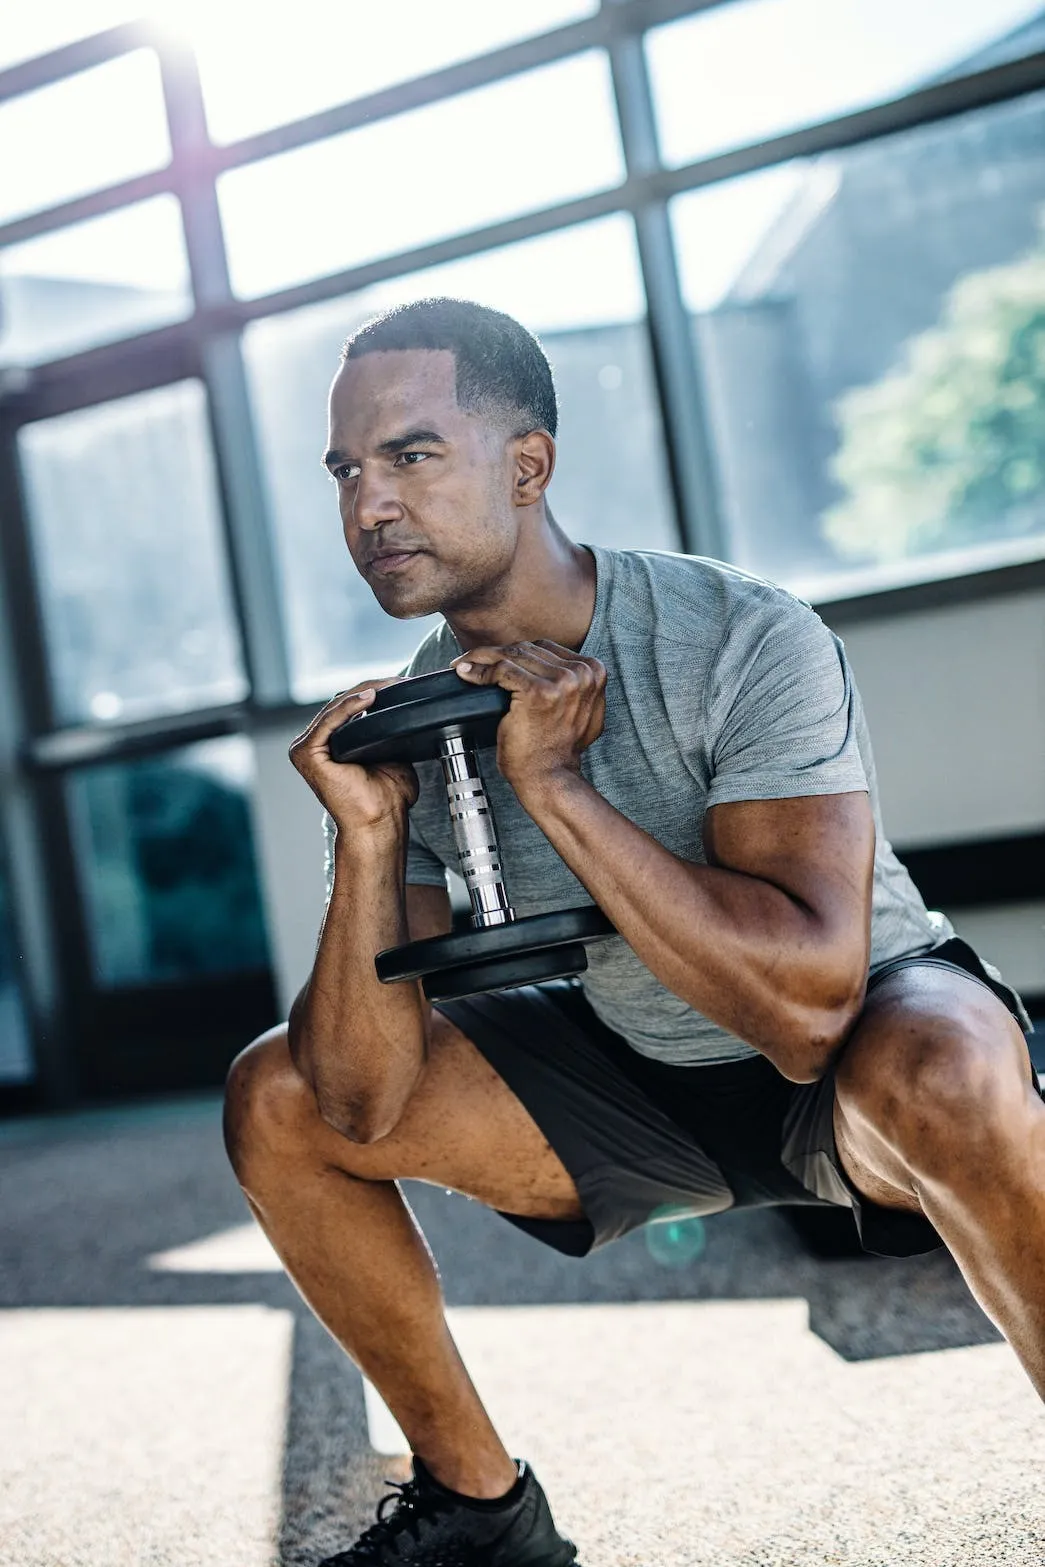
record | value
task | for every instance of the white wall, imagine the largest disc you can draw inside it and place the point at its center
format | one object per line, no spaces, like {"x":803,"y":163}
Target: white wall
{"x":289,"y":839}
{"x":955,"y":700}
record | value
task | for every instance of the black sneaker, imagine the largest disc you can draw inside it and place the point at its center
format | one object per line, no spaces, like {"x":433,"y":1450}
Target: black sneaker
{"x":429,"y":1526}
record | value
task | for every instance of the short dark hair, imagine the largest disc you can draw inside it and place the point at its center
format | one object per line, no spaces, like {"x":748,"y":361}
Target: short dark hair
{"x":499,"y":365}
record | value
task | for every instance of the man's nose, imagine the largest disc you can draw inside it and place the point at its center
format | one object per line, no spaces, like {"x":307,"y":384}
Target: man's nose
{"x":375,"y":500}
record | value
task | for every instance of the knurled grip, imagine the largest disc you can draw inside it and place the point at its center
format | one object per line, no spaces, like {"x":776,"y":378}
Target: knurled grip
{"x":475,"y":835}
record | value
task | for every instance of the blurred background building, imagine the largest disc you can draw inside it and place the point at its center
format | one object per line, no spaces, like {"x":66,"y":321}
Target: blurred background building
{"x":788,"y":260}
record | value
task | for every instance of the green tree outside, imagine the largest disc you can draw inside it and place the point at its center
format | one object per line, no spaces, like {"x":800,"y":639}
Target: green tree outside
{"x":949,"y":449}
{"x":174,"y":889}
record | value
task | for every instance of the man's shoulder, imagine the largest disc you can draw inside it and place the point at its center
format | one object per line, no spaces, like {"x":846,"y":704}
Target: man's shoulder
{"x":676,"y":593}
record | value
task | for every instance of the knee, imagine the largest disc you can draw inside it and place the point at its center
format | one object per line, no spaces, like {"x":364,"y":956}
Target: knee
{"x":268,"y":1105}
{"x":927,"y":1087}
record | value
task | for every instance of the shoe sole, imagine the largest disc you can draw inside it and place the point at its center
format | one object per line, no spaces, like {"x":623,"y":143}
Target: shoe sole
{"x":567,"y":1557}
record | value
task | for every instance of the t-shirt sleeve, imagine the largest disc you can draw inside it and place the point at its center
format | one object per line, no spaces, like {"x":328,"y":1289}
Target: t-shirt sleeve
{"x":782,"y":711}
{"x":422,"y":866}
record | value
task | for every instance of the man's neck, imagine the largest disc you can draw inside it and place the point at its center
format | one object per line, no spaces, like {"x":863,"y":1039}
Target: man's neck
{"x":550,"y":595}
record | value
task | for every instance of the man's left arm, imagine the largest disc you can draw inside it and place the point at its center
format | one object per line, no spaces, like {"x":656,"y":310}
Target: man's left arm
{"x":770,"y":939}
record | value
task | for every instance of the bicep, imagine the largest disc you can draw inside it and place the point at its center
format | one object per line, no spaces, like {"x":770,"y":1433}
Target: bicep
{"x":819,"y":849}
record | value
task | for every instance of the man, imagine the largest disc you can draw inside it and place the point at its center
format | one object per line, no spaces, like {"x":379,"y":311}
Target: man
{"x":780,"y":1018}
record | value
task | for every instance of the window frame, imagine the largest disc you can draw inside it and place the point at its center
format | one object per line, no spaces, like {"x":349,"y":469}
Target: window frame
{"x":68,"y":1019}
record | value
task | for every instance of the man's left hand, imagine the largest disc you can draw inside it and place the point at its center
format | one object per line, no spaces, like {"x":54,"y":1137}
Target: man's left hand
{"x":558,"y":707}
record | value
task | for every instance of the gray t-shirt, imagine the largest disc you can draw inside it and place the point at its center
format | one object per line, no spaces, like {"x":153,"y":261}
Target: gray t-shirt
{"x":719,"y":686}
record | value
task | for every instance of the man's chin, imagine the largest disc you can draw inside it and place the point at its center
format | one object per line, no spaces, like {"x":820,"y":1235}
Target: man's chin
{"x":403,"y":603}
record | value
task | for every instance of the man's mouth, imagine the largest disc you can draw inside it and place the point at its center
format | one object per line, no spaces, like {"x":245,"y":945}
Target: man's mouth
{"x":385,"y":562}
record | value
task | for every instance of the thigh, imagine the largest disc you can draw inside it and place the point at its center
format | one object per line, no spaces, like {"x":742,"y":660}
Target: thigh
{"x":462,"y":1128}
{"x":924,"y":1030}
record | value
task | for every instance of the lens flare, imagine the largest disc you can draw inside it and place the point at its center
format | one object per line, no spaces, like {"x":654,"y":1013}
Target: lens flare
{"x":674,"y":1236}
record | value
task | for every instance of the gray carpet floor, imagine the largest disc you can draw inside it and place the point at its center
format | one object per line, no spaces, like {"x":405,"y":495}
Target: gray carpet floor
{"x":166,"y":1398}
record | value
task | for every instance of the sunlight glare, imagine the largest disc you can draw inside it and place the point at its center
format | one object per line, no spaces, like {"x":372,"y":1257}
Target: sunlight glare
{"x":260,"y":71}
{"x":266,"y":66}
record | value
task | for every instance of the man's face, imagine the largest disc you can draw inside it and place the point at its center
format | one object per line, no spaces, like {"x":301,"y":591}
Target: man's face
{"x":424,"y":487}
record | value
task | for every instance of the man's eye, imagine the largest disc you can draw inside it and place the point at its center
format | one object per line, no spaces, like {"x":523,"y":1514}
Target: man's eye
{"x":411,"y":459}
{"x":345,"y":471}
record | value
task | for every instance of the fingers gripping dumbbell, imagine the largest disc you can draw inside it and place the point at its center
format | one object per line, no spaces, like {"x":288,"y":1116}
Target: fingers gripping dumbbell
{"x":440,"y":717}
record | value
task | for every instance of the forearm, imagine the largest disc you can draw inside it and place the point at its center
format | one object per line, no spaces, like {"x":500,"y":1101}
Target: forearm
{"x":738,"y":949}
{"x":361,"y":1044}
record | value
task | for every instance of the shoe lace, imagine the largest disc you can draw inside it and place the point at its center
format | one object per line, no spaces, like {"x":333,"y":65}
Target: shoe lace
{"x":410,"y":1505}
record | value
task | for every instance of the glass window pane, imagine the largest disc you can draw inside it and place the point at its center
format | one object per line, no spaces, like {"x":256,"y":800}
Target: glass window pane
{"x":167,"y":861}
{"x":370,"y":192}
{"x":30,"y":30}
{"x":269,"y":73}
{"x":743,"y":72}
{"x":871,"y":330}
{"x":85,"y":132}
{"x":124,"y":509}
{"x":94,"y":282}
{"x":16,"y":1062}
{"x":581,"y":291}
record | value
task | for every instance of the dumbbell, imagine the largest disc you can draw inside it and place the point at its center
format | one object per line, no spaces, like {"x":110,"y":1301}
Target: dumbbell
{"x":440,"y":717}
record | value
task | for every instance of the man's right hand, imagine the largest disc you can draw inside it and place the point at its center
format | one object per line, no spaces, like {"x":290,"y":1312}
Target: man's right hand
{"x":356,"y":797}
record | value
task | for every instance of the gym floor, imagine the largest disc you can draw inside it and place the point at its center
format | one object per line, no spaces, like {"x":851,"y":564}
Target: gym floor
{"x":169,"y":1400}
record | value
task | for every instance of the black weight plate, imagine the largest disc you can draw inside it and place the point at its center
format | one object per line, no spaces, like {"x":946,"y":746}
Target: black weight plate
{"x":525,"y":968}
{"x":419,"y":958}
{"x":406,"y":721}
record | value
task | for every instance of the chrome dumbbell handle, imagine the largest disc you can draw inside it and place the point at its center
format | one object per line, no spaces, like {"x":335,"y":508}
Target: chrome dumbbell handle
{"x":474,"y":833}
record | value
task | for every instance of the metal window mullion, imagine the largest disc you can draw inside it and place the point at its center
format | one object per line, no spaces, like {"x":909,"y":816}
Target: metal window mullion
{"x":25,"y":825}
{"x":96,"y":48}
{"x":923,"y":106}
{"x":682,"y":392}
{"x":438,"y":252}
{"x":246,"y":517}
{"x":33,"y":827}
{"x":247,"y":520}
{"x":679,"y":381}
{"x":653,"y":184}
{"x":86,"y":745}
{"x":82,"y":209}
{"x":467,"y":75}
{"x":1000,"y":84}
{"x":42,"y":70}
{"x":934,"y":105}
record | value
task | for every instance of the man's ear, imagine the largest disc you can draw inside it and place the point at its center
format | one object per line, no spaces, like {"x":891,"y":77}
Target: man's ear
{"x":534,"y":466}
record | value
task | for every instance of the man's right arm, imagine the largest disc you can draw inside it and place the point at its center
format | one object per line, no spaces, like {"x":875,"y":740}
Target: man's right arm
{"x":360,"y":1044}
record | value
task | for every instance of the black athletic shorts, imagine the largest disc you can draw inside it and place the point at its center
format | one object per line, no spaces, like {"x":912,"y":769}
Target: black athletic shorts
{"x":643,"y":1139}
